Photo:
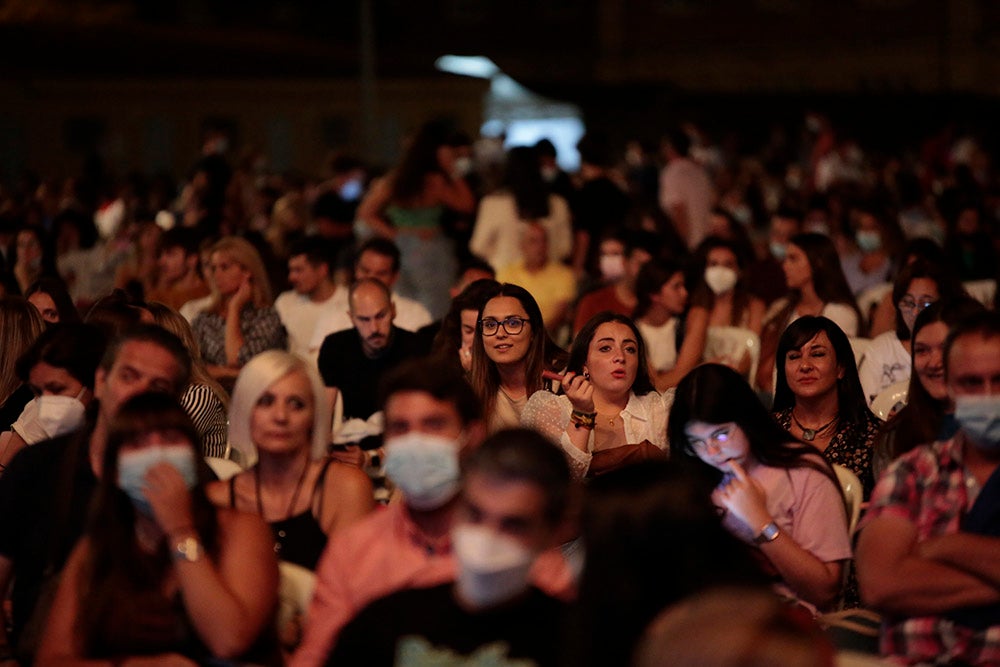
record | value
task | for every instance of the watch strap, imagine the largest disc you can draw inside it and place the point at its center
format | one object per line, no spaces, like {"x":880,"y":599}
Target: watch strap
{"x":768,"y":533}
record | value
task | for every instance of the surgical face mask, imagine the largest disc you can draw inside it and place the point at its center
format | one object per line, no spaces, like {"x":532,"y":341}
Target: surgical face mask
{"x":778,"y":250}
{"x":817,"y":227}
{"x":549,"y":174}
{"x":868,"y":240}
{"x":463,"y":166}
{"x":133,"y":465}
{"x":612,"y":266}
{"x":351,"y":190}
{"x":59,"y":415}
{"x":492,"y":567}
{"x":424,"y":467}
{"x":720,"y":279}
{"x":979,"y":417}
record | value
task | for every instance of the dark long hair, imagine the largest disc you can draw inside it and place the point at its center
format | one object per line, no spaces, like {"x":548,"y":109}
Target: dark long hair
{"x":702,"y":295}
{"x":523,"y":178}
{"x":919,"y":422}
{"x":542,"y":354}
{"x":653,"y":275}
{"x":716,"y":394}
{"x":653,"y":525}
{"x":581,"y":347}
{"x":420,"y":160}
{"x":56,"y":289}
{"x":949,"y":287}
{"x":828,"y":277}
{"x":851,"y":403}
{"x":116,"y":568}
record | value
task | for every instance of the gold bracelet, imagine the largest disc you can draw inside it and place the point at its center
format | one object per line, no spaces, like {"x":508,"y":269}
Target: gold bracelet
{"x":582,"y":419}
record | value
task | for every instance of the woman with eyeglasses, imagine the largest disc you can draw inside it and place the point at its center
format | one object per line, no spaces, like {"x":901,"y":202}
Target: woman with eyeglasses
{"x":775,"y":493}
{"x":887,"y":360}
{"x":609,"y":414}
{"x":510,"y":351}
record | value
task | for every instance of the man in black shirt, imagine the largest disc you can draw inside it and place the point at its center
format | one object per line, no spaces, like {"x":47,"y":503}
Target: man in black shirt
{"x":352,"y":362}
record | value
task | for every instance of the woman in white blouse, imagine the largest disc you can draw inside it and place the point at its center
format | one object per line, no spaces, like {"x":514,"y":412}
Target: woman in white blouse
{"x":609,"y":413}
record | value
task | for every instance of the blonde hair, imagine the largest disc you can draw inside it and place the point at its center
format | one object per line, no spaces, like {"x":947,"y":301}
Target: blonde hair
{"x":254,"y":379}
{"x":174,"y":322}
{"x":20,"y":325}
{"x":242,"y":252}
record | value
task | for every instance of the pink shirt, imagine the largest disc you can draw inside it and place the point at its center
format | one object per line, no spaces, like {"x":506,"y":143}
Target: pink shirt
{"x":381,"y":554}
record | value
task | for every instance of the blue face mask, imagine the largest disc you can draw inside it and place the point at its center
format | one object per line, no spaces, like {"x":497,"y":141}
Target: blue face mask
{"x":424,"y":467}
{"x":979,"y":417}
{"x":868,"y":240}
{"x":134,"y":464}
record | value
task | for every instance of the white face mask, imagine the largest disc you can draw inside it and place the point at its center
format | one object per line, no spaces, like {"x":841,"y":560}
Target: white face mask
{"x":59,"y":415}
{"x":720,"y":279}
{"x":463,"y":166}
{"x":492,"y":567}
{"x":424,"y":467}
{"x":612,"y":267}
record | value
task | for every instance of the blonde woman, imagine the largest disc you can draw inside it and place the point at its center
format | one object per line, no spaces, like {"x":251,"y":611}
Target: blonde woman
{"x":280,"y":425}
{"x":204,"y":400}
{"x":240,"y":322}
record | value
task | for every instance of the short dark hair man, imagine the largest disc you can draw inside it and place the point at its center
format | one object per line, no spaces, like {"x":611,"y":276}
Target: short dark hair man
{"x":45,"y":491}
{"x":313,"y":293}
{"x":516,"y":487}
{"x":180,"y":280}
{"x":928,"y":554}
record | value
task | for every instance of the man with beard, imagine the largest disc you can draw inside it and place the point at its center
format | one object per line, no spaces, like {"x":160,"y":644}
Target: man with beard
{"x":352,"y":362}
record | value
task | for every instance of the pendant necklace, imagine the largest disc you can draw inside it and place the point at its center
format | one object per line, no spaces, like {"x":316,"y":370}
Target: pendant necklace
{"x":809,"y":434}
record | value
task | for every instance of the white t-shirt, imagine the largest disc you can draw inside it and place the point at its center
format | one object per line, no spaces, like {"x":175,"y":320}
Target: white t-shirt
{"x":884,"y":363}
{"x":300,"y":314}
{"x":410,"y":315}
{"x":661,"y":344}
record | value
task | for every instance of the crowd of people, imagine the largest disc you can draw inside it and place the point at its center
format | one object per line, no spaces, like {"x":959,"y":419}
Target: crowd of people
{"x":491,"y":412}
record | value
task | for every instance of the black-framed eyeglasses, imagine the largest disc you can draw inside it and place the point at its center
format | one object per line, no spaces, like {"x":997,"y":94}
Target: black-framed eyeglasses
{"x":911,"y":304}
{"x":512,"y":325}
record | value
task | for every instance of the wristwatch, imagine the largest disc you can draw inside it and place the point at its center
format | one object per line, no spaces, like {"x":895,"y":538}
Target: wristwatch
{"x":768,"y":533}
{"x":188,"y":549}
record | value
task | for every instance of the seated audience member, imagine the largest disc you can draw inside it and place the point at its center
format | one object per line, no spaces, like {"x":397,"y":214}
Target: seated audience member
{"x":279,"y":424}
{"x":522,"y":199}
{"x":313,"y":293}
{"x":179,"y":278}
{"x":550,"y":282}
{"x":876,"y":242}
{"x":816,"y":287}
{"x":241,"y":322}
{"x":58,"y":370}
{"x":20,"y":325}
{"x":377,"y":259}
{"x":777,"y":493}
{"x":352,"y":362}
{"x":510,"y":351}
{"x":453,"y":342}
{"x":432,"y":417}
{"x":512,"y":507}
{"x":765,"y":277}
{"x":929,"y":413}
{"x":734,"y":627}
{"x":49,"y":295}
{"x":631,"y":519}
{"x":204,"y":399}
{"x":818,"y":398}
{"x":609,"y":413}
{"x":661,"y":301}
{"x":618,"y":297}
{"x":160,"y":574}
{"x":928,"y":548}
{"x":116,"y":312}
{"x":887,"y":360}
{"x":45,"y":491}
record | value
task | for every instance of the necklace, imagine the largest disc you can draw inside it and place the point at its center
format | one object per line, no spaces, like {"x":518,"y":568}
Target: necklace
{"x":809,"y":434}
{"x":295,"y":493}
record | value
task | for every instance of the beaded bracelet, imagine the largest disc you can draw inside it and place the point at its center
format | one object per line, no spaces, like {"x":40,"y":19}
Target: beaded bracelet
{"x":582,"y":419}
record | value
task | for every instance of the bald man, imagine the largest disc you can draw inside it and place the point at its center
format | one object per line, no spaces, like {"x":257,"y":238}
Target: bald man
{"x":353,"y":361}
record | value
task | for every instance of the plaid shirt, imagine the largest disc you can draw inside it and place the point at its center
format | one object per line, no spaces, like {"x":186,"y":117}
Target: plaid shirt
{"x":930,"y":488}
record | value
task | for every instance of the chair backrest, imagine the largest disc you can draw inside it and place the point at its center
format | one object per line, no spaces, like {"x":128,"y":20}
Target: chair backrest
{"x":870,"y":298}
{"x":982,"y":291}
{"x":860,"y":346}
{"x":295,"y":591}
{"x":888,"y":401}
{"x":223,"y":468}
{"x":732,"y":343}
{"x":853,"y":494}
